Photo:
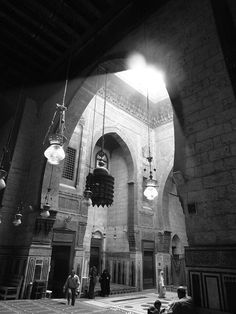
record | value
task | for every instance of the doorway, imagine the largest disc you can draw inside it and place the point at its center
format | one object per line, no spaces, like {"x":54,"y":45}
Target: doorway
{"x":95,"y":254}
{"x":60,"y":266}
{"x":148,"y":265}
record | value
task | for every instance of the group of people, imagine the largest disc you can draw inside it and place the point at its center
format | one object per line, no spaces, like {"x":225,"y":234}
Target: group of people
{"x":104,"y":281}
{"x":71,"y":287}
{"x":183,"y":305}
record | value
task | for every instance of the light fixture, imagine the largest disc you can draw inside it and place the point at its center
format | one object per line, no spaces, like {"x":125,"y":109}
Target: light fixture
{"x":3,"y":175}
{"x":150,"y":191}
{"x":87,"y":201}
{"x":0,"y":218}
{"x":100,"y":182}
{"x":87,"y":197}
{"x":115,"y":235}
{"x":55,"y":152}
{"x":18,"y":216}
{"x":17,"y":221}
{"x":3,"y":165}
{"x":45,"y":211}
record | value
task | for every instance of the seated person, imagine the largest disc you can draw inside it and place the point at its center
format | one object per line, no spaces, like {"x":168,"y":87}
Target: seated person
{"x":156,"y":309}
{"x":182,"y":306}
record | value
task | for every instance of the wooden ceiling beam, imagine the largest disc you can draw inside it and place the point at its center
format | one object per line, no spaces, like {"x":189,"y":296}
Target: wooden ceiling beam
{"x":35,"y":23}
{"x":54,"y":19}
{"x":16,"y":39}
{"x":91,"y":8}
{"x":34,"y":37}
{"x":81,"y":20}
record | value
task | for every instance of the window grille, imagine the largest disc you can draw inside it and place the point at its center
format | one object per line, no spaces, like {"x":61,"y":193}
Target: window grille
{"x":69,"y":164}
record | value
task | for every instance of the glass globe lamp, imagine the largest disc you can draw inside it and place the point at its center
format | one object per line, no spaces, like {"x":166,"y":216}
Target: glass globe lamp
{"x":150,"y":191}
{"x":45,"y":211}
{"x":3,"y":174}
{"x":17,"y":221}
{"x":55,"y":152}
{"x":87,"y":198}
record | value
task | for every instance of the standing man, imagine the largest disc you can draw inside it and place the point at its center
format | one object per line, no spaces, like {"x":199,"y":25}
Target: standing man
{"x":92,"y":281}
{"x":162,"y":288}
{"x":71,"y":287}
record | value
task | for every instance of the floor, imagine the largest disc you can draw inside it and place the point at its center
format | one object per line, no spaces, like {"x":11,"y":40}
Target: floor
{"x":130,"y":303}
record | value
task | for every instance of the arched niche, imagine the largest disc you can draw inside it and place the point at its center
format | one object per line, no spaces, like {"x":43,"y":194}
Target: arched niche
{"x":176,"y":246}
{"x":126,"y":146}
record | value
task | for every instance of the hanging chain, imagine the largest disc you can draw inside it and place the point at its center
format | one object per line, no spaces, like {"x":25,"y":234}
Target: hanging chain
{"x":94,"y":113}
{"x":104,"y":111}
{"x":60,"y":108}
{"x":49,"y":186}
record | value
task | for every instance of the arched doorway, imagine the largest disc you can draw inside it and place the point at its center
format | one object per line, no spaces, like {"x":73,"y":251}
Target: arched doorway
{"x":178,"y":273}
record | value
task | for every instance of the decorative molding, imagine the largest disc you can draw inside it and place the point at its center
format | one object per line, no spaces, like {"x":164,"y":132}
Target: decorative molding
{"x":163,"y":241}
{"x":163,"y":115}
{"x":69,"y":202}
{"x":211,"y":257}
{"x":148,"y":211}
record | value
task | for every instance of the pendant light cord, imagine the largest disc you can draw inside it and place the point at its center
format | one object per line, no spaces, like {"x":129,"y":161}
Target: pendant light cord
{"x":67,"y":78}
{"x":104,"y":111}
{"x":60,"y":108}
{"x":94,"y":113}
{"x":148,"y":120}
{"x":49,"y":185}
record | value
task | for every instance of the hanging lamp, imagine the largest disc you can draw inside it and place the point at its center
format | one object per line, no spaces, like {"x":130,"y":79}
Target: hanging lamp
{"x":17,"y":221}
{"x":150,"y":191}
{"x":3,"y":175}
{"x":100,"y":182}
{"x":55,"y":152}
{"x":3,"y":172}
{"x":87,"y":201}
{"x":18,"y":216}
{"x":45,"y":211}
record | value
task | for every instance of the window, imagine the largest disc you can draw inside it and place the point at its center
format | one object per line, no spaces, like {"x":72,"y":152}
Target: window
{"x":38,"y":269}
{"x":101,"y":156}
{"x":69,"y":164}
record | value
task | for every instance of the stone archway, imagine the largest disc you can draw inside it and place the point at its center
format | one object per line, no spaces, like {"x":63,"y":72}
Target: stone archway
{"x":127,"y":151}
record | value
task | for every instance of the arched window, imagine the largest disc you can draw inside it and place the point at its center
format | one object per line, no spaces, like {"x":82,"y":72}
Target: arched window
{"x":101,"y":156}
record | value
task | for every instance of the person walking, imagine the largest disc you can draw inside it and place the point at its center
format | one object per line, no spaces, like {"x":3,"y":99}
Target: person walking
{"x":162,"y":288}
{"x":71,"y":287}
{"x":92,"y":281}
{"x":105,"y":283}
